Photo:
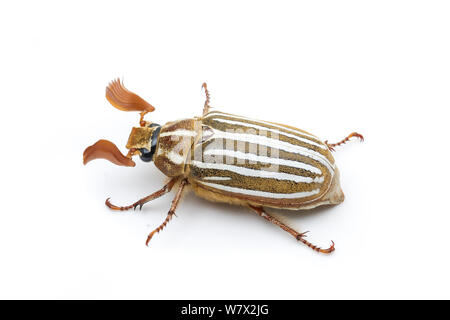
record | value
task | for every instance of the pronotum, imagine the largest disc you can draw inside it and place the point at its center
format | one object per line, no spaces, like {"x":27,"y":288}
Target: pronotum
{"x":228,"y":158}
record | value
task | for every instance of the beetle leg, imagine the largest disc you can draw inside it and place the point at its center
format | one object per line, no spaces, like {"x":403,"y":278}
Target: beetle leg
{"x":299,"y":236}
{"x":353,"y":134}
{"x":171,"y":212}
{"x":206,"y":106}
{"x":143,"y":201}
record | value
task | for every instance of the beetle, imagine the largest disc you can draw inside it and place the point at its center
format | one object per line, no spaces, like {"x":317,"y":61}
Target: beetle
{"x":228,"y":158}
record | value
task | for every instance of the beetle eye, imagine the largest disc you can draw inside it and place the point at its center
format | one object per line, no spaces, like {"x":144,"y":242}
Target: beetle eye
{"x":147,"y":155}
{"x":154,"y":125}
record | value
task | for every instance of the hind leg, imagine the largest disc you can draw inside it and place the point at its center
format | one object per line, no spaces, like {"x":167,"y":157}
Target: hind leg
{"x":297,"y":235}
{"x":353,"y":134}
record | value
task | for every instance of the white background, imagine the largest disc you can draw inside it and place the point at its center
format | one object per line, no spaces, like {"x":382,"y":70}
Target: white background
{"x":381,"y":68}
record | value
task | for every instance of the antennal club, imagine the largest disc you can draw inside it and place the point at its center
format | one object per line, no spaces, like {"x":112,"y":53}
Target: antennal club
{"x":104,"y":149}
{"x":125,"y":100}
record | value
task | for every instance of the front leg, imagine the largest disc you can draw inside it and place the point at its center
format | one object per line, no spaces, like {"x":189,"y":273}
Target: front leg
{"x":146,"y":199}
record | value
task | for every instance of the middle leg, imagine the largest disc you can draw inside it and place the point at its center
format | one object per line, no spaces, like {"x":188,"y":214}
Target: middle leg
{"x":206,"y":107}
{"x":171,"y":212}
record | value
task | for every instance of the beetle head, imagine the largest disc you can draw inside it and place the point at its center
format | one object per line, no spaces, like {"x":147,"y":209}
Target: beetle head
{"x":142,"y":139}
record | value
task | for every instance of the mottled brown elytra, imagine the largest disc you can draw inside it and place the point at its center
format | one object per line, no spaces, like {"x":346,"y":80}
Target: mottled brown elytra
{"x":228,"y":158}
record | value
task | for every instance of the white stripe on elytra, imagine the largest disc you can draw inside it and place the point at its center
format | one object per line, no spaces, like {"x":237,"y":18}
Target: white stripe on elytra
{"x":216,"y":178}
{"x":254,"y":173}
{"x":251,"y":125}
{"x":263,"y":159}
{"x":179,"y":132}
{"x":262,"y":194}
{"x":213,"y":113}
{"x":273,"y":143}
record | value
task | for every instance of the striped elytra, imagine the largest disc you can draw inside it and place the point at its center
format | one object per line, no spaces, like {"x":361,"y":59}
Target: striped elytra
{"x":228,"y":158}
{"x":235,"y":159}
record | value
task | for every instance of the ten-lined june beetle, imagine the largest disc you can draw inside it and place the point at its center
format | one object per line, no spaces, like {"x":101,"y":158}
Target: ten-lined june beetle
{"x":228,"y":158}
